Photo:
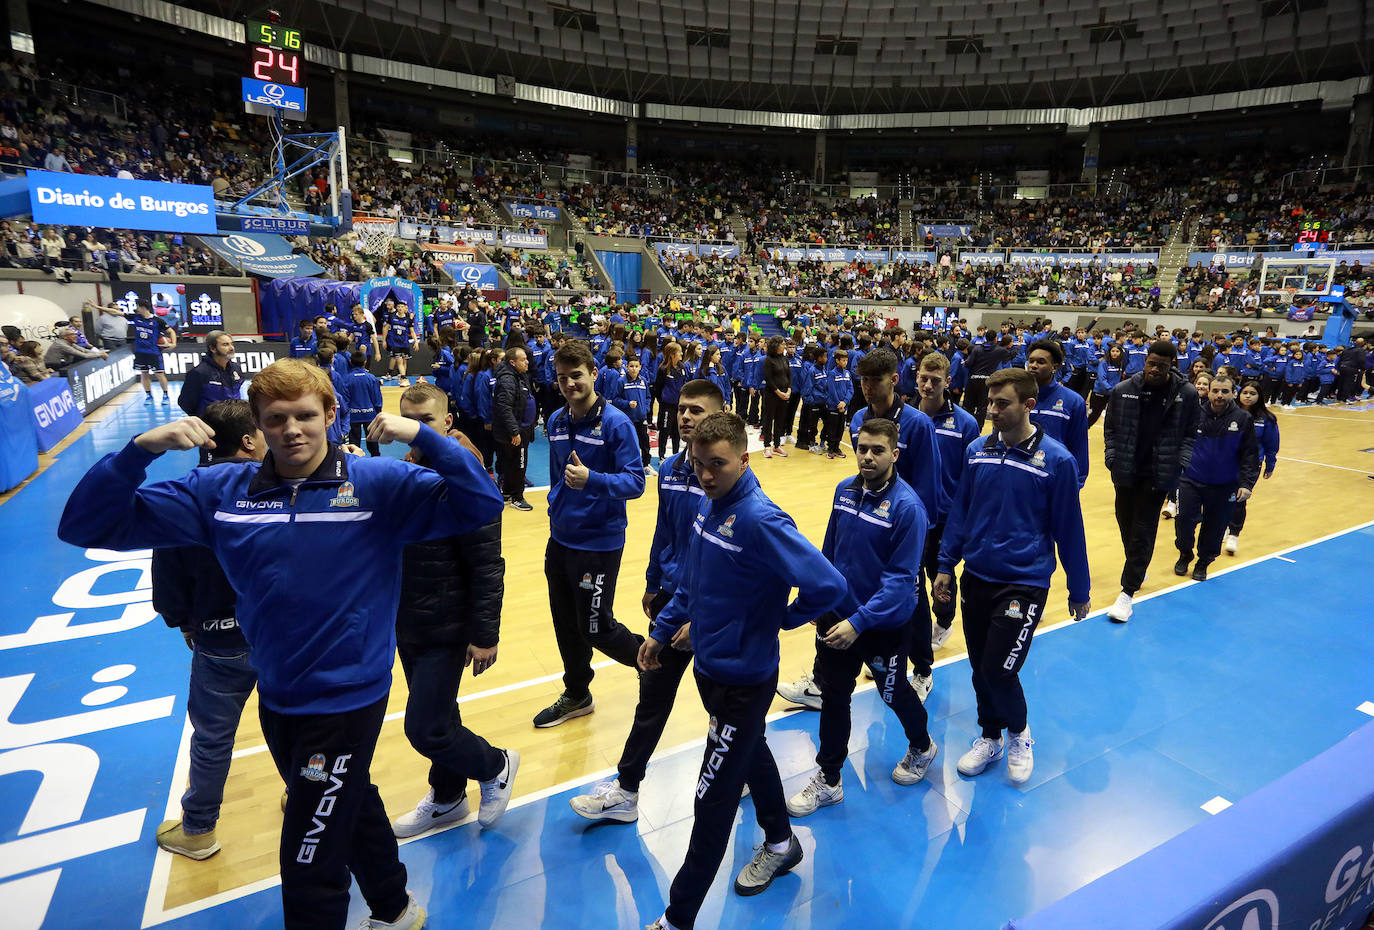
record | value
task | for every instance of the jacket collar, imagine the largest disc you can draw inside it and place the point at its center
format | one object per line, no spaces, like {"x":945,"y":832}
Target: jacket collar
{"x":333,"y":470}
{"x":857,"y":484}
{"x":1027,"y":448}
{"x":747,"y":484}
{"x":593,"y":416}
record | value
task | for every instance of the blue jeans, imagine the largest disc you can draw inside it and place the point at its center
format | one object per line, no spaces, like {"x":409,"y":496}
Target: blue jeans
{"x":434,"y":726}
{"x":220,"y":685}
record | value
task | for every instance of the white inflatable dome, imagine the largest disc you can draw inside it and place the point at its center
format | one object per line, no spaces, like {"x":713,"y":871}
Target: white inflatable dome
{"x":35,"y":316}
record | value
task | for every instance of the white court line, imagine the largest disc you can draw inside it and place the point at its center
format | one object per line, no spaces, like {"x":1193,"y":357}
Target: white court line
{"x":1367,"y":708}
{"x":1216,"y":805}
{"x":462,"y":699}
{"x":1358,"y":471}
{"x":1282,"y":558}
{"x":155,"y":893}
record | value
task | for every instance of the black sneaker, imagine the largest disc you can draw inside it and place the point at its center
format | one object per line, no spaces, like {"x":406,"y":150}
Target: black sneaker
{"x":1200,"y":571}
{"x":767,"y":865}
{"x":564,"y":709}
{"x":1181,"y":566}
{"x":519,"y":503}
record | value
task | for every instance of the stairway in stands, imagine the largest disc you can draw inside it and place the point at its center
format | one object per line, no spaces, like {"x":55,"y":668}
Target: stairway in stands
{"x":741,"y":228}
{"x":767,"y":324}
{"x":1174,"y":256}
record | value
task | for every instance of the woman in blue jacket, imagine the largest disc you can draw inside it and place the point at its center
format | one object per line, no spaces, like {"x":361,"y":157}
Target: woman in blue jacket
{"x":1266,"y":425}
{"x":672,"y":375}
{"x":1294,"y":374}
{"x":713,"y":370}
{"x":1109,"y":374}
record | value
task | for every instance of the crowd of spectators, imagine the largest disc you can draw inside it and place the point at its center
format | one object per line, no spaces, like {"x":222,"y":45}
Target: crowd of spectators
{"x":709,"y":274}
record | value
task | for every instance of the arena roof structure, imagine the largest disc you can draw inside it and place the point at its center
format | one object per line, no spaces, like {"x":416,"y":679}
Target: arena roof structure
{"x":827,"y":57}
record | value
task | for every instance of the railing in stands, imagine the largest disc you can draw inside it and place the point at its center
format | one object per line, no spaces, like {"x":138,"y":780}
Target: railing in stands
{"x":88,"y":98}
{"x":1325,"y":177}
{"x":973,"y":194}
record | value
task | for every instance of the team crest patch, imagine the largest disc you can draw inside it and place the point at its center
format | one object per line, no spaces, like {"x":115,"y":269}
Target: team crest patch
{"x":314,"y":769}
{"x":596,"y":431}
{"x":1014,"y":610}
{"x":1059,"y":405}
{"x":1234,"y":427}
{"x":586,"y":583}
{"x":1038,"y":459}
{"x":728,"y":527}
{"x":713,"y":729}
{"x":345,"y":496}
{"x":949,"y":424}
{"x":884,"y":508}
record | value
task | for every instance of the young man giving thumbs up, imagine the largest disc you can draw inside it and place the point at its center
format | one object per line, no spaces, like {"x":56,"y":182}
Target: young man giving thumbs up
{"x":594,"y":468}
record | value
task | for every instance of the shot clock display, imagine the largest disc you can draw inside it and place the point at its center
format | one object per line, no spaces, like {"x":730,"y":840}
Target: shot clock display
{"x":275,"y":83}
{"x":1313,"y":237}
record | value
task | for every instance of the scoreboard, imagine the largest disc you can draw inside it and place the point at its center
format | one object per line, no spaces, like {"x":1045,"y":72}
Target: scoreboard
{"x":275,"y":82}
{"x":1313,"y":237}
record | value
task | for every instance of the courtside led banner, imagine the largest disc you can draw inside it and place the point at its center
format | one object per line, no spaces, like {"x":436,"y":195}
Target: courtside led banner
{"x":64,"y":199}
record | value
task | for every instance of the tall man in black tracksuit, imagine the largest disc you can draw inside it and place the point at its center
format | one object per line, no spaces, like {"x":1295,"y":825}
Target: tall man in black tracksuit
{"x":1148,"y":438}
{"x":513,"y":414}
{"x":679,"y":495}
{"x":982,"y":361}
{"x":449,"y":617}
{"x":192,"y":594}
{"x":594,"y":468}
{"x":1222,"y":472}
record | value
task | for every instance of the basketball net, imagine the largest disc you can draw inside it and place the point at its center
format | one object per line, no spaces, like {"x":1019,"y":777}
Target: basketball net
{"x":374,"y":235}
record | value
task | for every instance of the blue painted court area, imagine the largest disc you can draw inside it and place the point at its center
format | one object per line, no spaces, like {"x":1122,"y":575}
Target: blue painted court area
{"x":1211,"y":691}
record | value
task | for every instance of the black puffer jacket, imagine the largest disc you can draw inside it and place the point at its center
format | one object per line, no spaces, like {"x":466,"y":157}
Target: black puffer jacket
{"x":451,"y":590}
{"x":511,"y":409}
{"x":1177,"y":432}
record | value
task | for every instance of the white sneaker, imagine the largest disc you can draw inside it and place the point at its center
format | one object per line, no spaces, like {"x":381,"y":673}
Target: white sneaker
{"x":1020,"y":759}
{"x":428,"y":815}
{"x":815,"y":795}
{"x":1120,"y":611}
{"x":1232,"y":543}
{"x":650,"y":470}
{"x":923,"y":684}
{"x":803,"y":691}
{"x":1170,"y":510}
{"x":914,"y":765}
{"x":767,"y":452}
{"x":412,"y":918}
{"x":608,"y":801}
{"x":983,"y":753}
{"x":497,"y":791}
{"x":938,"y":635}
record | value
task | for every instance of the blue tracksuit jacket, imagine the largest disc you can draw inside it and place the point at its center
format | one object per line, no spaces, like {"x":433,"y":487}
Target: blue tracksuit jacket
{"x":637,"y":391}
{"x":741,"y":564}
{"x":1063,"y":416}
{"x":839,"y":388}
{"x":338,"y":430}
{"x":919,"y":462}
{"x":1013,"y":507}
{"x":315,"y":651}
{"x":955,"y":428}
{"x":875,"y":540}
{"x":1267,"y":435}
{"x":1226,"y":450}
{"x":679,"y":497}
{"x":364,"y":395}
{"x":593,"y":517}
{"x":1108,"y":377}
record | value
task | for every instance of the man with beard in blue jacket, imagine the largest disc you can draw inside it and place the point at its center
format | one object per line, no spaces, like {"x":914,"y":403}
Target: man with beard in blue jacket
{"x":323,"y":662}
{"x":594,"y":468}
{"x":743,"y":561}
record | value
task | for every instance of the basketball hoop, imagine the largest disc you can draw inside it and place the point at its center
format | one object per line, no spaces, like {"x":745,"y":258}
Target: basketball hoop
{"x":374,"y":234}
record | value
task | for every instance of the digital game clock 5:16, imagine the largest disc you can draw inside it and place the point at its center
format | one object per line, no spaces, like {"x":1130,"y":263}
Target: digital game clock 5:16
{"x":275,"y":53}
{"x":273,"y":35}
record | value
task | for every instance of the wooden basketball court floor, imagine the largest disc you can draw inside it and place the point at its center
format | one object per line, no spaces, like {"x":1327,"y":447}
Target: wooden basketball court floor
{"x":1140,"y":719}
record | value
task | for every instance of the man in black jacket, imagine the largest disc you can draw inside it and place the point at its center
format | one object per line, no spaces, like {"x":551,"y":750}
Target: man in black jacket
{"x":983,"y":360}
{"x":449,"y":617}
{"x":192,"y":594}
{"x":217,"y":377}
{"x":513,"y":414}
{"x":1150,"y":429}
{"x":1349,"y":369}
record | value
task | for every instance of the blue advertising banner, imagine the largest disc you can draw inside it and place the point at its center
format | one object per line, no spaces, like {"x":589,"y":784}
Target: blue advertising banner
{"x":269,"y":94}
{"x":695,"y":248}
{"x":284,"y":225}
{"x":944,"y":230}
{"x":720,"y":251}
{"x":829,"y":254}
{"x":901,"y":256}
{"x":19,"y":451}
{"x":269,"y":256}
{"x":1082,"y":258}
{"x":376,"y":290}
{"x":533,"y":211}
{"x":480,"y":275}
{"x":88,"y":200}
{"x":1228,"y":259}
{"x":982,"y":258}
{"x":675,"y":249}
{"x":55,"y":413}
{"x":524,"y":240}
{"x":447,"y":234}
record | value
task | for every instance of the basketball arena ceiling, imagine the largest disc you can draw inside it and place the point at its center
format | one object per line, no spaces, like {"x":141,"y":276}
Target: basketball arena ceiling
{"x":856,"y":56}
